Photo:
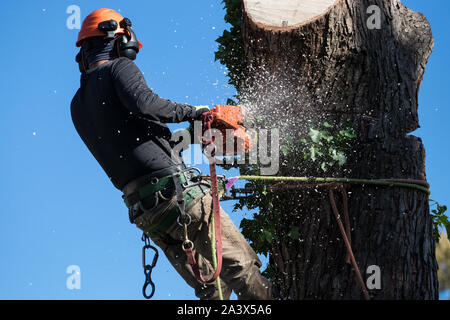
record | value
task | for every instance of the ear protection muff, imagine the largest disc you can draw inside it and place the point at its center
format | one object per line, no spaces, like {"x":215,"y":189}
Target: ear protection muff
{"x":127,"y":44}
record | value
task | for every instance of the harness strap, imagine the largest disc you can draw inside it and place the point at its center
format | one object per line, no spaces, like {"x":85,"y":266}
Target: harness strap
{"x":179,"y":192}
{"x":155,"y":185}
{"x":160,"y":229}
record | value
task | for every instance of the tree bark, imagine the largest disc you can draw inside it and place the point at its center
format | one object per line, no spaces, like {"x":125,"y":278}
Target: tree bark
{"x":330,"y":66}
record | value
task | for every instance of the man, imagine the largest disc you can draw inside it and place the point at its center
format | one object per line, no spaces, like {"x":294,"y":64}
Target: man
{"x":123,"y":124}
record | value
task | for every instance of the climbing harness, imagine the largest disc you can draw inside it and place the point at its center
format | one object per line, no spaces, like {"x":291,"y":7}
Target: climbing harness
{"x":186,"y":179}
{"x":148,"y":268}
{"x":180,"y":180}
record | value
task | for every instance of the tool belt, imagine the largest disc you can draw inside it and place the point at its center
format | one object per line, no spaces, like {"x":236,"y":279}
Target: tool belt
{"x":144,"y":194}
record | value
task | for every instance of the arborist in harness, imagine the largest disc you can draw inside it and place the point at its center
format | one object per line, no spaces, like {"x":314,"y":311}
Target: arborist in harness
{"x":123,"y":124}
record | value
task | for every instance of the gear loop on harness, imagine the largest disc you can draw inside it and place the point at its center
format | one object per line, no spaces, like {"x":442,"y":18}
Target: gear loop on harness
{"x":144,"y":209}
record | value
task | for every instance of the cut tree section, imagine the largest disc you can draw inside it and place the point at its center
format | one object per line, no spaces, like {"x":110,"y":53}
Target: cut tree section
{"x":286,"y":13}
{"x":324,"y":64}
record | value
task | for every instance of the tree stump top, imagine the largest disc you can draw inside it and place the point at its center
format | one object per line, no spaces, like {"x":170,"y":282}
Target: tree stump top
{"x":280,"y":14}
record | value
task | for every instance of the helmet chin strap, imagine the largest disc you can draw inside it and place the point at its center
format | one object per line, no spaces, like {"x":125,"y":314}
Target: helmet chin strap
{"x":80,"y":60}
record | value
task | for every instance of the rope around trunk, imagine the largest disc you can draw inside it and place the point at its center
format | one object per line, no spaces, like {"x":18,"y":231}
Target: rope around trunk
{"x":405,"y":183}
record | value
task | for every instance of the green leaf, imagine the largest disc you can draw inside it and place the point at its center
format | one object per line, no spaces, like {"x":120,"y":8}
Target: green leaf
{"x":439,"y":219}
{"x":264,"y":192}
{"x":328,"y":138}
{"x":342,"y":159}
{"x":284,"y":150}
{"x":268,"y":236}
{"x":314,"y":135}
{"x":294,"y":233}
{"x":348,"y":133}
{"x":325,"y":135}
{"x":313,"y":153}
{"x":333,"y":153}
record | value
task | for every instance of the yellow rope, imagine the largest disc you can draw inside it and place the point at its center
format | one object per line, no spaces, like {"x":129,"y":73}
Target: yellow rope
{"x":213,"y":252}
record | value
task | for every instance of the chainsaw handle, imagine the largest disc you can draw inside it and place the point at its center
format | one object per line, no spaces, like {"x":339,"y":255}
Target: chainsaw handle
{"x":207,"y":119}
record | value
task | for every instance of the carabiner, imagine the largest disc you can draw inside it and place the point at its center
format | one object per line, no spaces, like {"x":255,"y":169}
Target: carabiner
{"x":148,"y":268}
{"x":155,"y":257}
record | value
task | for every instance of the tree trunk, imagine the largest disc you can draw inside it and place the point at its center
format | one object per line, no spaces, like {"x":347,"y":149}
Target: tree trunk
{"x":309,"y":61}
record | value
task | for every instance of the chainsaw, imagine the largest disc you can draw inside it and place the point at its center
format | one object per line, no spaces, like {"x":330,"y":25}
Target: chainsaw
{"x":228,"y":120}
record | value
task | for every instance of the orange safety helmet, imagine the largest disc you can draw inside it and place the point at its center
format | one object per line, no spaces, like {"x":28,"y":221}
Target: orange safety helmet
{"x":90,"y":29}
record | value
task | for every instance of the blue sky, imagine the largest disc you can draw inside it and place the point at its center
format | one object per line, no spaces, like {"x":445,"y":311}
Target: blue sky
{"x":58,"y":206}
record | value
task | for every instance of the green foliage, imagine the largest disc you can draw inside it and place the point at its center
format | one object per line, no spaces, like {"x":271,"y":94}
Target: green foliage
{"x":327,"y":146}
{"x":263,"y":229}
{"x":259,"y":232}
{"x":269,"y":273}
{"x":324,"y":146}
{"x":294,"y":233}
{"x":440,"y":220}
{"x":231,"y":51}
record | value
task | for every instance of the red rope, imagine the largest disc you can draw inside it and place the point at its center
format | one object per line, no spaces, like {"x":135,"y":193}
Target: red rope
{"x":350,"y":255}
{"x":345,"y":231}
{"x":207,"y":121}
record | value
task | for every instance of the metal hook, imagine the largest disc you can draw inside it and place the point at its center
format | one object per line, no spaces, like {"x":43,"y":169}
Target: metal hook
{"x":185,"y":216}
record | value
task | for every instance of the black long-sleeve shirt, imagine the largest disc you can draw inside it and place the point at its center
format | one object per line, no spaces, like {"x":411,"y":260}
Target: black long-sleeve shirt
{"x":122,"y":122}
